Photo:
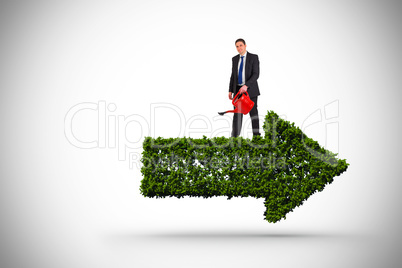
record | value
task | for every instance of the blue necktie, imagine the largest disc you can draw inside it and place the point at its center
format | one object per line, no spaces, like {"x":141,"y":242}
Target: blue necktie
{"x":240,"y":78}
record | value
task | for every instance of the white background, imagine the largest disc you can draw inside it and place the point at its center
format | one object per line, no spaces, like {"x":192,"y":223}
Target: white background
{"x":65,"y":206}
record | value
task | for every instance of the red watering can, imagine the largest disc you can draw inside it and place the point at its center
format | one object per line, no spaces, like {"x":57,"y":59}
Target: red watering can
{"x":242,"y":104}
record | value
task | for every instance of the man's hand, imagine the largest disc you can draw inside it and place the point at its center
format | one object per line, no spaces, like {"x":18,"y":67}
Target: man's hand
{"x":230,"y":96}
{"x":243,"y":89}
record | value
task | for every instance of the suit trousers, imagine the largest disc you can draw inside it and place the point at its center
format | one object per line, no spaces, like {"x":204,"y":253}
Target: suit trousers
{"x":238,"y":119}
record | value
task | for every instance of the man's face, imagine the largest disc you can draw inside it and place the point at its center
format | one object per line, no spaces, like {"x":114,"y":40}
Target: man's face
{"x":241,"y":48}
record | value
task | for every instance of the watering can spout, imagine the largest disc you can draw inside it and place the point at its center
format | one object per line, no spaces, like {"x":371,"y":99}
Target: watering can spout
{"x":242,"y":103}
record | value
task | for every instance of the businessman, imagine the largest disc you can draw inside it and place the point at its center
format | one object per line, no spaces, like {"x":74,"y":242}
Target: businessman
{"x":245,"y":72}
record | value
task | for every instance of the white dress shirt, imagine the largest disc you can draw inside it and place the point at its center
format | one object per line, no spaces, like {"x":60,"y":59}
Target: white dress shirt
{"x":244,"y":68}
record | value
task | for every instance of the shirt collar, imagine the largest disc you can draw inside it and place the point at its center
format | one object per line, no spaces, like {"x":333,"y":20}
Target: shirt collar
{"x":245,"y":54}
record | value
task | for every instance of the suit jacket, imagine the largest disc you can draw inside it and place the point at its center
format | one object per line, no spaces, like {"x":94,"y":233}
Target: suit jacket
{"x":252,"y":72}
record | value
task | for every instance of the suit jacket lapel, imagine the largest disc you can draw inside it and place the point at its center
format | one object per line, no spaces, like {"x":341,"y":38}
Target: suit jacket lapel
{"x":248,"y":66}
{"x":237,"y":61}
{"x":236,"y":64}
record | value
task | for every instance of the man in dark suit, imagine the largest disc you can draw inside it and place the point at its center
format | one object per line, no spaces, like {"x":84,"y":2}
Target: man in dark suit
{"x":245,"y":72}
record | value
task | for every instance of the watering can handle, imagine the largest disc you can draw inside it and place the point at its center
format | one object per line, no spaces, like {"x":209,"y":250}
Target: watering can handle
{"x":237,"y":97}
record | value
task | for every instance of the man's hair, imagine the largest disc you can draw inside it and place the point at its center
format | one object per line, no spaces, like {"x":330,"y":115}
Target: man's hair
{"x":240,"y":40}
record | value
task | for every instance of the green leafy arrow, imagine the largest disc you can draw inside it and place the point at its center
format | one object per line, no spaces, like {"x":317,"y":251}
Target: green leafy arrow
{"x":285,"y":167}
